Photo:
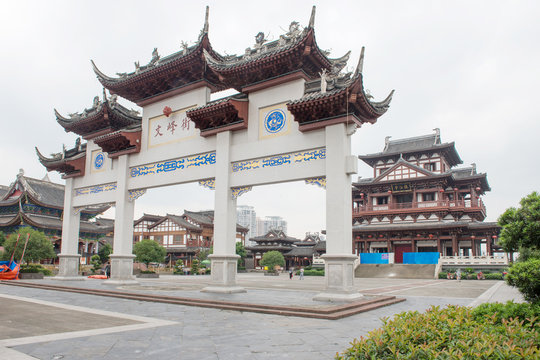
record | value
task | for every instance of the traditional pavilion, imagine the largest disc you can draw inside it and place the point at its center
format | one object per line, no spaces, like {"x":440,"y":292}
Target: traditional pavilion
{"x":417,"y":201}
{"x":181,"y":235}
{"x":297,"y":253}
{"x":39,"y":204}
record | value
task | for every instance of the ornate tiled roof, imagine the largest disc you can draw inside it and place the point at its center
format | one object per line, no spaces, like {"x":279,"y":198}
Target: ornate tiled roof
{"x":103,"y":117}
{"x":419,"y":144}
{"x":70,"y":162}
{"x":337,"y":97}
{"x":165,"y":74}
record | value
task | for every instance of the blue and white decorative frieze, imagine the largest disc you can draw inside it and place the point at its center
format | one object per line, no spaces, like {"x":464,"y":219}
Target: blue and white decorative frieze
{"x":174,"y":165}
{"x":208,"y":183}
{"x":278,"y":160}
{"x":135,"y":194}
{"x":241,"y":190}
{"x":95,"y":189}
{"x":319,"y":181}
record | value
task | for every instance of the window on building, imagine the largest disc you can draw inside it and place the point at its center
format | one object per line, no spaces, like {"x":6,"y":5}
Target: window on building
{"x":158,"y":239}
{"x":178,"y":239}
{"x":430,"y":166}
{"x":404,"y":198}
{"x":382,"y":200}
{"x":381,"y":170}
{"x":428,"y":197}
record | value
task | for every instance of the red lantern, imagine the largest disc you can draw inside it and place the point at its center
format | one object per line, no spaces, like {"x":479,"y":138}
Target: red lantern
{"x":369,"y":236}
{"x":494,"y":237}
{"x":478,"y":188}
{"x":473,"y":237}
{"x":381,"y":235}
{"x":389,"y":191}
{"x":456,"y":189}
{"x":431,"y":236}
{"x":167,"y":111}
{"x":441,"y":190}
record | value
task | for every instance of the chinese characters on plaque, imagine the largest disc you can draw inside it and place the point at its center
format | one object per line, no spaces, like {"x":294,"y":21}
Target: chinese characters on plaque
{"x":164,"y":130}
{"x":405,"y":187}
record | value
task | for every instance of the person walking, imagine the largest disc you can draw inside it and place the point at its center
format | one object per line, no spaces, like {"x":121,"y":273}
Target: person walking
{"x":290,"y":273}
{"x":301,"y":273}
{"x":108,"y":270}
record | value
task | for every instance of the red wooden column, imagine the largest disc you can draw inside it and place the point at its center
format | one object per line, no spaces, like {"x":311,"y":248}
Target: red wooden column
{"x":388,"y":244}
{"x":473,"y":245}
{"x":455,"y":249}
{"x":413,"y":244}
{"x":488,"y":246}
{"x":439,"y":248}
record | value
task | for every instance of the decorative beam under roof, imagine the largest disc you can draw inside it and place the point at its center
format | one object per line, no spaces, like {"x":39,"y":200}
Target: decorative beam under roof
{"x":166,"y":76}
{"x":69,"y":163}
{"x":335,"y":99}
{"x":102,"y":118}
{"x":126,"y":141}
{"x":227,"y":114}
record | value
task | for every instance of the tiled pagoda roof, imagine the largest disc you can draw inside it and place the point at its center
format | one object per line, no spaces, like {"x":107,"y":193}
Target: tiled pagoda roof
{"x":162,"y":75}
{"x":69,"y":163}
{"x":334,"y":98}
{"x":102,"y":118}
{"x":415,"y":145}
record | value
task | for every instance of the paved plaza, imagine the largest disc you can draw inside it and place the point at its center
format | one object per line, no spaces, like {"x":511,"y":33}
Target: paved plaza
{"x":45,"y":324}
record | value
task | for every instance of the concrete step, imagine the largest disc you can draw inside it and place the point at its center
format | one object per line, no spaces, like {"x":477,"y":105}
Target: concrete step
{"x":331,"y":312}
{"x":398,"y":271}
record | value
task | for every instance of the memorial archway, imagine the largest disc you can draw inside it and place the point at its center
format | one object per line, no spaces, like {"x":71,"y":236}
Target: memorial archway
{"x":292,"y":119}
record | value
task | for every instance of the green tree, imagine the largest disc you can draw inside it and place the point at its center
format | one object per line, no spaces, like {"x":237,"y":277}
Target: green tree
{"x":104,"y":252}
{"x":195,"y":267}
{"x":39,"y":246}
{"x":96,"y":264}
{"x":241,"y":251}
{"x":2,"y":238}
{"x":271,"y":259}
{"x":202,"y":254}
{"x":147,"y":251}
{"x":526,"y":277}
{"x":521,"y":226}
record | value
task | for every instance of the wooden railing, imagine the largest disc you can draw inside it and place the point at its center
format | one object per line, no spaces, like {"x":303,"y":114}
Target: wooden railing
{"x":423,"y":205}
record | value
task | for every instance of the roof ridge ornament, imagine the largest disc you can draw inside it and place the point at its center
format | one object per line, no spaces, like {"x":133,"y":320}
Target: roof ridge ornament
{"x":360,"y":66}
{"x":312,"y":18}
{"x":204,"y":30}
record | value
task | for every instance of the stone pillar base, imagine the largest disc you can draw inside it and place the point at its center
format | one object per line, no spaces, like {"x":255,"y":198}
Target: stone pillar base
{"x":224,"y":275}
{"x":339,"y":279}
{"x":69,"y":267}
{"x":121,"y":270}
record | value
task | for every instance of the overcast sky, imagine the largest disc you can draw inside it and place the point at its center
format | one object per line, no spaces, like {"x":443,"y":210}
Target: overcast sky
{"x":470,"y":68}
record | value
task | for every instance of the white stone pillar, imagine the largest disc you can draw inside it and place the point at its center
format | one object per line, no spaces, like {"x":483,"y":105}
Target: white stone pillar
{"x":122,"y":256}
{"x":224,"y":259}
{"x":339,"y":258}
{"x":69,"y":256}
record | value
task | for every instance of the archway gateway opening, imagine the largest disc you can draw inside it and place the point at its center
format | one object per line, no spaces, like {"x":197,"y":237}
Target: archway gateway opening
{"x":292,"y":119}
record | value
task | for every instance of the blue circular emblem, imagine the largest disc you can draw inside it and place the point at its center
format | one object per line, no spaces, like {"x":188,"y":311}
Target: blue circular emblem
{"x":98,"y":162}
{"x":275,"y":121}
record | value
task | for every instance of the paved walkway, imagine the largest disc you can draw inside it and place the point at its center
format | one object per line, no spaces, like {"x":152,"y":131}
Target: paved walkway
{"x":47,"y":324}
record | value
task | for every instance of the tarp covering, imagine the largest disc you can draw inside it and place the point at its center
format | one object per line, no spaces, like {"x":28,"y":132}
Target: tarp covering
{"x":420,"y":258}
{"x":8,"y":271}
{"x":374,"y":258}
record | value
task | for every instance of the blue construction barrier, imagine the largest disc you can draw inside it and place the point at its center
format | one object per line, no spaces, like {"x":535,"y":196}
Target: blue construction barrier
{"x":374,"y":258}
{"x":421,"y":258}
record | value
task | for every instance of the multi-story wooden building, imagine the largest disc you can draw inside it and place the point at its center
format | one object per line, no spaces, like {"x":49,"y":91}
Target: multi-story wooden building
{"x":181,"y":235}
{"x":418,"y":202}
{"x":39,"y":204}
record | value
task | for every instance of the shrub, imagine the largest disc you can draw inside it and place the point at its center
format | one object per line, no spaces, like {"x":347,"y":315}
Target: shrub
{"x":449,"y":333}
{"x":312,"y":272}
{"x":526,"y":277}
{"x":178,"y":267}
{"x":496,"y":312}
{"x":147,"y":272}
{"x":493,"y":276}
{"x":35,"y":268}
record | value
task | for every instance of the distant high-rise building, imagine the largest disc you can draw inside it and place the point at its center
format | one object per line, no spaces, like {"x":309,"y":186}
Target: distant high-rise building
{"x":247,"y":217}
{"x":271,"y":223}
